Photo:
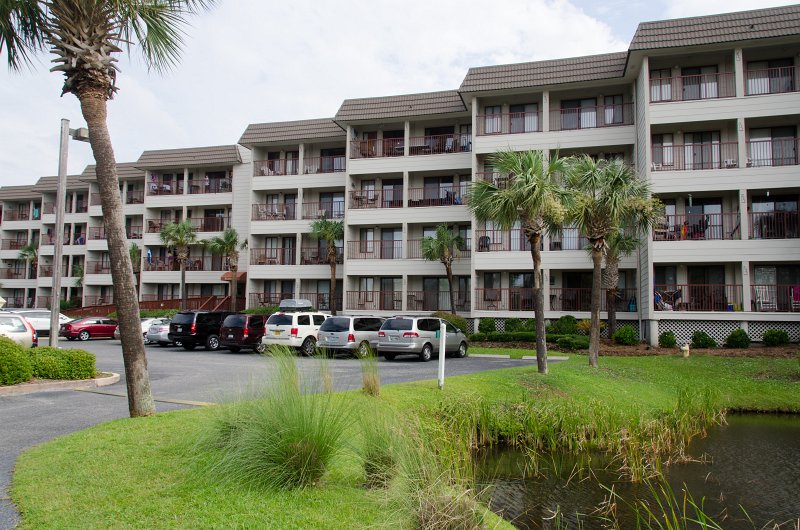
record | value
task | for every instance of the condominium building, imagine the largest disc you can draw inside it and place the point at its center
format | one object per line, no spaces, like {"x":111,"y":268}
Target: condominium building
{"x":706,"y":109}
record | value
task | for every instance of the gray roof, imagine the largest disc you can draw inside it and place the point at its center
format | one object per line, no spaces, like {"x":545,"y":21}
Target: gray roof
{"x":125,"y":171}
{"x":542,"y":73}
{"x":46,"y":184}
{"x":285,"y":131}
{"x":220,"y":155}
{"x":10,"y":193}
{"x":428,"y":103}
{"x":728,"y":27}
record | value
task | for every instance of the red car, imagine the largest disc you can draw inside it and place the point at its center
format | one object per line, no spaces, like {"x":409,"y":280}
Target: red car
{"x":87,"y":328}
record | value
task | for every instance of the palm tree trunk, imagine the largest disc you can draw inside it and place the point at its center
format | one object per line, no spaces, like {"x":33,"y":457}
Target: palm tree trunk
{"x":448,"y":267}
{"x":611,"y":309}
{"x":234,"y":286}
{"x":332,"y":261}
{"x":594,"y":334}
{"x":538,"y":302}
{"x":140,"y":397}
{"x":184,"y":297}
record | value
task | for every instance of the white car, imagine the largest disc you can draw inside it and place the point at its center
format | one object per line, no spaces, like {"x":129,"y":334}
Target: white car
{"x":40,"y":319}
{"x":146,"y":323}
{"x":295,"y":330}
{"x":18,"y":329}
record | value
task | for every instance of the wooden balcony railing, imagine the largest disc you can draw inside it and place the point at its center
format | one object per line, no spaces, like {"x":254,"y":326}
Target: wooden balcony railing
{"x":375,"y":300}
{"x":510,"y":123}
{"x":439,"y":144}
{"x":692,"y":87}
{"x":415,"y":250}
{"x":773,"y":152}
{"x":210,"y":224}
{"x":98,"y":267}
{"x":580,"y":299}
{"x":503,"y":299}
{"x":693,"y":157}
{"x":319,"y":256}
{"x":165,"y":264}
{"x":45,"y":271}
{"x":81,"y":207}
{"x":133,"y":231}
{"x":591,"y":117}
{"x":43,"y":301}
{"x":388,"y":198}
{"x":273,"y":256}
{"x":97,"y":232}
{"x":97,"y":299}
{"x":774,"y":297}
{"x":375,"y":249}
{"x":775,"y":225}
{"x":267,"y":168}
{"x":323,"y":210}
{"x":446,"y":195}
{"x":16,"y":302}
{"x":13,"y":273}
{"x":12,"y":244}
{"x":154,"y":226}
{"x":167,"y":187}
{"x":322,"y":301}
{"x":16,"y":215}
{"x":716,"y":226}
{"x":274,"y":212}
{"x":501,"y":240}
{"x":134,"y":197}
{"x":49,"y":208}
{"x":771,"y":80}
{"x":433,"y":301}
{"x":377,"y":148}
{"x":697,"y":297}
{"x":324,"y":164}
{"x":268,"y":299}
{"x":216,"y":185}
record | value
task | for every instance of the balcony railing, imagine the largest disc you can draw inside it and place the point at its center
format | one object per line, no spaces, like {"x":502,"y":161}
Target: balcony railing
{"x":568,"y":239}
{"x":437,"y":195}
{"x":268,"y":168}
{"x":12,"y":244}
{"x":81,"y":207}
{"x":165,"y":264}
{"x":415,"y":250}
{"x":439,"y":144}
{"x":716,"y":226}
{"x":692,"y":87}
{"x":49,"y":208}
{"x":322,"y":301}
{"x":377,"y":148}
{"x":697,"y":297}
{"x":319,"y":256}
{"x":222,"y":185}
{"x":268,"y":299}
{"x":168,"y":187}
{"x":45,"y":271}
{"x":375,"y":249}
{"x":773,"y":297}
{"x":43,"y":301}
{"x":503,"y":299}
{"x":375,"y":300}
{"x":274,"y":212}
{"x":580,"y":299}
{"x":510,"y":123}
{"x":591,"y":117}
{"x":98,"y":267}
{"x":133,"y":231}
{"x":775,"y":225}
{"x":97,"y":232}
{"x":97,"y":299}
{"x":388,"y":198}
{"x":134,"y":197}
{"x":16,"y":215}
{"x":773,"y":152}
{"x":771,"y":80}
{"x":94,"y":199}
{"x":210,"y":224}
{"x":691,"y":157}
{"x":437,"y":301}
{"x":16,"y":302}
{"x":13,"y":273}
{"x":501,"y":240}
{"x":323,"y":210}
{"x":154,"y":226}
{"x":273,"y":256}
{"x":324,"y":164}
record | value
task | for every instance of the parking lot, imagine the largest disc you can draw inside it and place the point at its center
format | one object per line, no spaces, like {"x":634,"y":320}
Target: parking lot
{"x":179,"y":379}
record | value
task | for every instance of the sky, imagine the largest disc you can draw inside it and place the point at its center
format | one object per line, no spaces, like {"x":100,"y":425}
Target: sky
{"x":251,"y":61}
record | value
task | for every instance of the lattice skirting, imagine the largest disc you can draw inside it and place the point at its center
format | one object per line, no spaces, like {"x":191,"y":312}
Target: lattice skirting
{"x":756,"y":329}
{"x":719,"y":330}
{"x":500,"y":325}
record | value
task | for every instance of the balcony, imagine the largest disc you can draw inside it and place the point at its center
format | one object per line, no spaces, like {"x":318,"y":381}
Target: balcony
{"x":780,"y":298}
{"x":323,"y":210}
{"x":45,"y":271}
{"x":81,"y":207}
{"x":48,"y":208}
{"x":434,"y":196}
{"x":433,"y":301}
{"x":210,"y":224}
{"x":93,"y":300}
{"x":509,"y":123}
{"x":324,"y":164}
{"x":775,"y":225}
{"x":322,"y":301}
{"x":439,"y":144}
{"x":268,"y":168}
{"x":415,"y":250}
{"x":501,"y":240}
{"x":43,"y":301}
{"x":13,"y":273}
{"x":268,"y":299}
{"x":319,"y":256}
{"x":273,"y":212}
{"x":693,"y":157}
{"x":580,"y":299}
{"x":692,"y":87}
{"x":164,"y":264}
{"x":134,"y":197}
{"x":377,"y":148}
{"x":97,"y":232}
{"x":12,"y":244}
{"x":216,"y":185}
{"x":16,"y":302}
{"x":375,"y":300}
{"x":698,"y":297}
{"x":771,"y":81}
{"x":154,"y":226}
{"x":165,"y":187}
{"x":98,"y":267}
{"x":366,"y":199}
{"x":591,"y":117}
{"x":133,"y":231}
{"x":273,"y":256}
{"x":372,"y":249}
{"x":770,"y":152}
{"x":203,"y":263}
{"x":16,"y":215}
{"x":711,"y":226}
{"x":504,"y":299}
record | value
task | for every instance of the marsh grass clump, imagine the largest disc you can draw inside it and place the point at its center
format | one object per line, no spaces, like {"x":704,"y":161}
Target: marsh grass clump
{"x":382,"y":437}
{"x":370,"y":375}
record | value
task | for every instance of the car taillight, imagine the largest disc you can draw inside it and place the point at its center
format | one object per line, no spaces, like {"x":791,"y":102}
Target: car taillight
{"x":411,"y":334}
{"x":193,"y":329}
{"x":381,"y":334}
{"x":245,"y":332}
{"x":351,"y":337}
{"x":294,"y":332}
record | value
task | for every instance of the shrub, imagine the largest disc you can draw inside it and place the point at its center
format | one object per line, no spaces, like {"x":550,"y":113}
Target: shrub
{"x":15,"y":365}
{"x":262,"y":310}
{"x":513,"y":325}
{"x":456,"y":320}
{"x":151,"y":313}
{"x":54,"y":363}
{"x":775,"y":337}
{"x":585,"y":326}
{"x":667,"y":340}
{"x":573,"y":342}
{"x":738,"y":339}
{"x":487,"y":325}
{"x":701,"y":339}
{"x":626,"y":335}
{"x":566,"y":325}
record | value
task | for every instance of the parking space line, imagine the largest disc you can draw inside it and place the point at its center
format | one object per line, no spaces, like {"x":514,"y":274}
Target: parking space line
{"x":157,"y":400}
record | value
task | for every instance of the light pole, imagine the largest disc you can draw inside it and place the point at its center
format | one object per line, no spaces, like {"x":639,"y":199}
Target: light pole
{"x":81,"y":135}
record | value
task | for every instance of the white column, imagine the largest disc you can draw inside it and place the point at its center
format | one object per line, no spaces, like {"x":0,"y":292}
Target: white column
{"x":744,"y":218}
{"x":746,"y":298}
{"x":406,"y":137}
{"x":738,"y":72}
{"x":546,"y":111}
{"x":301,"y":159}
{"x":741,"y":141}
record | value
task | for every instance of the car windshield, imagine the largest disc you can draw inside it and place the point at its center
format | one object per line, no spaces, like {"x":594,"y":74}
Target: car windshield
{"x":280,"y":319}
{"x":183,"y":318}
{"x":235,"y":321}
{"x":11,"y":324}
{"x":397,"y":324}
{"x":336,"y":324}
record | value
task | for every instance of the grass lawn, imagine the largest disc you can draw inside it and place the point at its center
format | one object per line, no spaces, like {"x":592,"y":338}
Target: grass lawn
{"x":144,"y":472}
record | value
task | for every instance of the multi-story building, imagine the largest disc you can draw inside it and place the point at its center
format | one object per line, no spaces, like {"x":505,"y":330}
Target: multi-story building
{"x":706,"y":109}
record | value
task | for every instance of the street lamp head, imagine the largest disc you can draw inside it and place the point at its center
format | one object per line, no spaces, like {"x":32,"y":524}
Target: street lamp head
{"x":81,"y":134}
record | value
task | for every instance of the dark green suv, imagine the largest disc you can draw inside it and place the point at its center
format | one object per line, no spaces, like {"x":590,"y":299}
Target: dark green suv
{"x":195,"y":328}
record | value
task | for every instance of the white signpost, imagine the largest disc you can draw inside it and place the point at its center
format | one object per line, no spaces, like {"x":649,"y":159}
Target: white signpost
{"x":442,"y":342}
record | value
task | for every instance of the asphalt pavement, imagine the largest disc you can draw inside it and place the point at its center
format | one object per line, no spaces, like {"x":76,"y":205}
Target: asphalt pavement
{"x":179,"y":379}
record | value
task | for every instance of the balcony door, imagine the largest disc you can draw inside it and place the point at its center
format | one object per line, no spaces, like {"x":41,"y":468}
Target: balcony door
{"x":288,"y":250}
{"x":521,"y":292}
{"x":492,"y":120}
{"x":390,"y":295}
{"x":661,"y":85}
{"x":392,"y":193}
{"x":776,"y":146}
{"x":702,"y":150}
{"x":390,"y":243}
{"x":432,"y":292}
{"x":700,"y":82}
{"x":707,"y":288}
{"x":579,"y":113}
{"x":524,"y":118}
{"x":770,"y":77}
{"x":704,"y":219}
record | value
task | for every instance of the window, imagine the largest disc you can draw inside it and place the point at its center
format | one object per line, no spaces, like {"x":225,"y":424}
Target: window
{"x":613,"y":110}
{"x":366,"y":240}
{"x":776,"y":146}
{"x":700,"y":82}
{"x":524,"y":118}
{"x":579,"y":113}
{"x":491,"y":284}
{"x":492,"y":123}
{"x":661,"y":85}
{"x":702,"y":150}
{"x":662,"y":151}
{"x":770,"y":77}
{"x":318,"y":320}
{"x":303,"y":320}
{"x":392,"y":193}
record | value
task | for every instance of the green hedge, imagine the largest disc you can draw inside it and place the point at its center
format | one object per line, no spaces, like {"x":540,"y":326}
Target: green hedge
{"x":15,"y":364}
{"x":573,"y":342}
{"x":775,"y":337}
{"x":265,"y":310}
{"x":626,"y":335}
{"x":524,"y":336}
{"x":53,"y":363}
{"x":456,"y":320}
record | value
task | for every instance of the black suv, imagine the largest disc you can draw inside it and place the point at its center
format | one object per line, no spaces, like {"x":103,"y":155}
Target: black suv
{"x":195,"y":328}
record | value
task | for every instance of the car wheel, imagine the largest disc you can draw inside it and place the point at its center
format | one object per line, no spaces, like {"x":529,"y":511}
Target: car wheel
{"x":187,"y":346}
{"x":260,"y":347}
{"x":426,"y":353}
{"x":462,"y":350}
{"x":70,"y":338}
{"x":388,"y":356}
{"x":144,"y":335}
{"x":212,"y":343}
{"x":363,"y":350}
{"x":308,"y":346}
{"x":234,"y":349}
{"x":83,"y":335}
{"x":178,"y":343}
{"x":162,"y":343}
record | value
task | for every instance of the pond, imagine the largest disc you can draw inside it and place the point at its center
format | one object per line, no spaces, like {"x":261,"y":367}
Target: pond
{"x":753,"y":463}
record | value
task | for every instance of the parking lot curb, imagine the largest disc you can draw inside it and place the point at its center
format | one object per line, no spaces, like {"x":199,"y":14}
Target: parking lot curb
{"x":42,"y":386}
{"x":524,"y":357}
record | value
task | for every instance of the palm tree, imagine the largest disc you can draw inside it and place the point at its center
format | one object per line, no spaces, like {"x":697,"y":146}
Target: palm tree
{"x":86,"y":37}
{"x":228,"y":245}
{"x":442,"y":247}
{"x":30,"y":253}
{"x":530,"y":195}
{"x":604,"y":198}
{"x":179,"y":237}
{"x":330,"y":231}
{"x":136,"y":262}
{"x":618,"y":244}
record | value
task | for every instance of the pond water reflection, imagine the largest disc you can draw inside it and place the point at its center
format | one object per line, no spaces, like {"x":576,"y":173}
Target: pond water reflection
{"x":753,"y":462}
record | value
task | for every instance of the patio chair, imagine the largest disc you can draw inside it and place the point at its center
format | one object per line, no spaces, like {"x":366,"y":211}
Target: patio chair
{"x":765,"y":299}
{"x":795,"y":296}
{"x":483,"y":244}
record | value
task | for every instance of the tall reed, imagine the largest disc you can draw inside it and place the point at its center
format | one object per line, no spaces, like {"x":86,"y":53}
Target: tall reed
{"x":370,"y":375}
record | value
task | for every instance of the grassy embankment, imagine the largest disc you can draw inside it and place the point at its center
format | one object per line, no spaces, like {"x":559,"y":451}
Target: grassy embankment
{"x":147,"y":472}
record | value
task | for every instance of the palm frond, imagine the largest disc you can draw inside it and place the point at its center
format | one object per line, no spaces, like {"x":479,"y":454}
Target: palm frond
{"x":22,"y":31}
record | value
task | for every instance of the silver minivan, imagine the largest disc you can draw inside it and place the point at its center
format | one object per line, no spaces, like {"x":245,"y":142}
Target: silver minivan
{"x":418,"y":335}
{"x":357,"y":335}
